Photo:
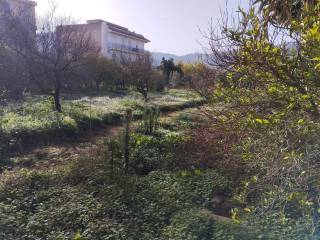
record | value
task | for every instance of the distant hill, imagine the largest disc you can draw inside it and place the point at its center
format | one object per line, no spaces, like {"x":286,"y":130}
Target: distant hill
{"x":189,"y":58}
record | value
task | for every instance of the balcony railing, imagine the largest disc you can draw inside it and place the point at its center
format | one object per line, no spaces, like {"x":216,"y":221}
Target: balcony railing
{"x":123,"y":47}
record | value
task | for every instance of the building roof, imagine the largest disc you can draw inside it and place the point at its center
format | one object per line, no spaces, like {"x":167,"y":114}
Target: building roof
{"x":121,"y":30}
{"x":27,"y":2}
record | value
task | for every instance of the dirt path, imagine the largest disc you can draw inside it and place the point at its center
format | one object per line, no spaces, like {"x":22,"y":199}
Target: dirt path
{"x":47,"y":157}
{"x":55,"y":156}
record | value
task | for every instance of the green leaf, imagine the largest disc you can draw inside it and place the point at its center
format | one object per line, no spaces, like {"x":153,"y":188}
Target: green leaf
{"x":301,"y":121}
{"x":262,"y":121}
{"x":258,"y":120}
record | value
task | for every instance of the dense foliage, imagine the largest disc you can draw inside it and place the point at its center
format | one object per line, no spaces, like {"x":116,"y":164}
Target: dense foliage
{"x":269,"y":116}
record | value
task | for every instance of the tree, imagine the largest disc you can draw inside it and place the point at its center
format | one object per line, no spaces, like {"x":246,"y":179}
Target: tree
{"x":157,"y":81}
{"x":168,"y":68}
{"x":54,"y":54}
{"x":13,"y":73}
{"x":283,"y":12}
{"x":272,"y":97}
{"x":60,"y":53}
{"x":102,"y":71}
{"x":138,"y":70}
{"x":257,"y":53}
{"x":202,"y":79}
{"x":16,"y":29}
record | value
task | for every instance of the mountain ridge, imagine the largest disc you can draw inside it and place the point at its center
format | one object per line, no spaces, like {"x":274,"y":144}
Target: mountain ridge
{"x":188,"y":58}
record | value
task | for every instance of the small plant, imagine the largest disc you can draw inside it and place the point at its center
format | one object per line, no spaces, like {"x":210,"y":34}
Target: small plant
{"x":128,"y":119}
{"x":189,"y":224}
{"x":155,"y":152}
{"x":151,"y":120}
{"x":114,"y":148}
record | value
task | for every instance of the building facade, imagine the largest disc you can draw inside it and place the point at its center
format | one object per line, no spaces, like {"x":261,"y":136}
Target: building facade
{"x":114,"y":41}
{"x":17,"y":18}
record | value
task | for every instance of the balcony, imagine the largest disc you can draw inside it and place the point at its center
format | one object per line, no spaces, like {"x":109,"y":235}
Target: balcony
{"x":122,"y":47}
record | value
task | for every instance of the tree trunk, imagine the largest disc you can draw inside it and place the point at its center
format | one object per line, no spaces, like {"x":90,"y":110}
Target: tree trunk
{"x":56,"y":97}
{"x":143,"y":92}
{"x":167,"y":79}
{"x":145,"y":96}
{"x":98,"y":86}
{"x":123,"y":84}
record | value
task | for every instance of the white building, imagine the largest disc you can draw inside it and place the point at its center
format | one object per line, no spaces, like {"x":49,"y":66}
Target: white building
{"x":114,"y":40}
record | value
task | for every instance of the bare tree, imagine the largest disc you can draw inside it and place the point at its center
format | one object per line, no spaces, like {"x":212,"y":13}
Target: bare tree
{"x":60,"y":54}
{"x":17,"y":22}
{"x":203,"y":79}
{"x":13,"y":73}
{"x":53,"y":55}
{"x":17,"y":29}
{"x":138,"y":70}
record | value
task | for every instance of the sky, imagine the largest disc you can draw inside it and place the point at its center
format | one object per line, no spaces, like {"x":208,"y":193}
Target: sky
{"x":172,"y":26}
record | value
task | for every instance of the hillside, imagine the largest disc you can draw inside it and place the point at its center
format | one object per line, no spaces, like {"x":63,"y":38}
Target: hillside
{"x":190,"y":58}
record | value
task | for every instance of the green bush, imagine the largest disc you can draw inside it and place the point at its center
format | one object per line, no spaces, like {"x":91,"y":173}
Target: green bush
{"x":37,"y":206}
{"x":147,"y":206}
{"x":190,"y":224}
{"x":150,"y":119}
{"x":150,"y":153}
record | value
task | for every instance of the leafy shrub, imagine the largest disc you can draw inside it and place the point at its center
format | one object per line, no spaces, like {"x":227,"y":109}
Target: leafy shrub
{"x":152,"y":200}
{"x":150,"y":120}
{"x":37,"y":206}
{"x":276,"y":226}
{"x":186,"y":188}
{"x":195,"y":223}
{"x":158,"y":82}
{"x":188,"y":225}
{"x":150,"y":153}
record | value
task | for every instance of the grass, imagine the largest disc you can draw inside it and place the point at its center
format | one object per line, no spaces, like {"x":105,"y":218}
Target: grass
{"x":166,"y":194}
{"x":33,"y":121}
{"x":83,"y":200}
{"x":43,"y":206}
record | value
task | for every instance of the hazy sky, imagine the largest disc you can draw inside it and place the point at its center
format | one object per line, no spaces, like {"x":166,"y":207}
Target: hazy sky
{"x":171,"y":25}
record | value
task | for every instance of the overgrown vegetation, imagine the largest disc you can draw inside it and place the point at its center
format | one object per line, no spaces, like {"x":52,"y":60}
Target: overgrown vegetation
{"x":244,"y":166}
{"x":266,"y":129}
{"x":103,"y":202}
